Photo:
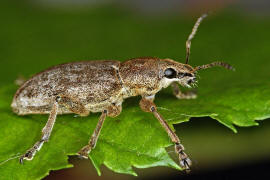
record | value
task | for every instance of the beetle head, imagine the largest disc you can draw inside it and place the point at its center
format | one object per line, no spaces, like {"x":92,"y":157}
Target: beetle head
{"x":184,"y":74}
{"x":172,"y":71}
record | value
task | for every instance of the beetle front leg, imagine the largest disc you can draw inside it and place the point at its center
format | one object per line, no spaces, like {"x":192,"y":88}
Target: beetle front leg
{"x":46,"y":132}
{"x":180,"y":95}
{"x":148,"y":105}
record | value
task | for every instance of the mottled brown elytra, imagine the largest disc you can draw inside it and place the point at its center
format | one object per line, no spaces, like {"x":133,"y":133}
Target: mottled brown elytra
{"x":102,"y":86}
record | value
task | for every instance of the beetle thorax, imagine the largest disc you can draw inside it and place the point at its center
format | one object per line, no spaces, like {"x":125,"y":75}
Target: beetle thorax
{"x":141,"y":76}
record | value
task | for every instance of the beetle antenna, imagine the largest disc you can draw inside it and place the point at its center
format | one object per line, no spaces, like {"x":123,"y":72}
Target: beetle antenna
{"x":192,"y":34}
{"x":218,"y":63}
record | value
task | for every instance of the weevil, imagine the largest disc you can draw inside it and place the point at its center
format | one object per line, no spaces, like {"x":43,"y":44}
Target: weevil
{"x":102,"y":86}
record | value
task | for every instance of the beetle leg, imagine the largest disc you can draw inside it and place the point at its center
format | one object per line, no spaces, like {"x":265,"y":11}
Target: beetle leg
{"x":46,"y":132}
{"x":180,"y":95}
{"x":92,"y":142}
{"x":112,"y":111}
{"x":148,"y":105}
{"x":74,"y":105}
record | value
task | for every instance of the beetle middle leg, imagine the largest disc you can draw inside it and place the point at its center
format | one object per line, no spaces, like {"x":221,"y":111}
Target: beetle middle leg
{"x":112,"y":111}
{"x":180,"y":95}
{"x":46,"y":132}
{"x":148,"y":105}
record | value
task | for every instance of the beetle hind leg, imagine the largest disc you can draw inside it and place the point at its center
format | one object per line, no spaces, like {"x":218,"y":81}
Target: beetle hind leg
{"x":46,"y":132}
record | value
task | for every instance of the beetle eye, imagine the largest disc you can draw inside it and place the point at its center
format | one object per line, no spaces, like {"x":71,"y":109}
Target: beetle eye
{"x":170,"y":73}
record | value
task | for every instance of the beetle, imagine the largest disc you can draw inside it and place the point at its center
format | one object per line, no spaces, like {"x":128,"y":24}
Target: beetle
{"x":102,"y":86}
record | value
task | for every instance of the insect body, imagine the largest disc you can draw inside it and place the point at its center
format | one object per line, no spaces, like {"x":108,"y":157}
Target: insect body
{"x":102,"y":86}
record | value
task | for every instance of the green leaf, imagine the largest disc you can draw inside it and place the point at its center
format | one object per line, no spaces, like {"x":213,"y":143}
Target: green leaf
{"x":134,"y":139}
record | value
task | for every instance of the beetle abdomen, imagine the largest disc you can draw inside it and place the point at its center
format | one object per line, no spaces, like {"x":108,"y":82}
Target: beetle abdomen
{"x":90,"y":82}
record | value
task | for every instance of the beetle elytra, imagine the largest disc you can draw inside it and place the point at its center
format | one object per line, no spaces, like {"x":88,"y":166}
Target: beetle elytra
{"x":102,"y":86}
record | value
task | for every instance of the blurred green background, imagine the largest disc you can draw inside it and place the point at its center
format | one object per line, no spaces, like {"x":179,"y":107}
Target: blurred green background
{"x":35,"y":35}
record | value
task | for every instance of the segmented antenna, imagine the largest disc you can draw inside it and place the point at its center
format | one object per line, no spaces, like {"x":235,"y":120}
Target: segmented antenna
{"x":218,"y":63}
{"x":192,"y":34}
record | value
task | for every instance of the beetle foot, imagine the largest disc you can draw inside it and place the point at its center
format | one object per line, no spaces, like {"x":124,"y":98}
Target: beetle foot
{"x":84,"y":152}
{"x":27,"y":156}
{"x":184,"y":160}
{"x":31,"y":152}
{"x":187,"y":95}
